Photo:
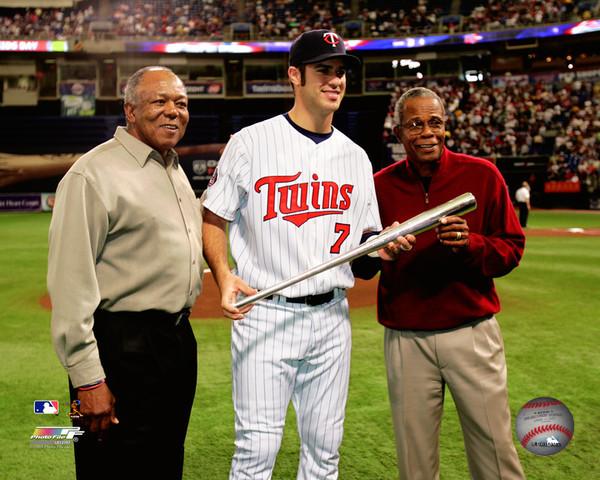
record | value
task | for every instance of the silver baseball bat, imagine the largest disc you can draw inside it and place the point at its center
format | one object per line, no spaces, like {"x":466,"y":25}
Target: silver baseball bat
{"x":427,"y":220}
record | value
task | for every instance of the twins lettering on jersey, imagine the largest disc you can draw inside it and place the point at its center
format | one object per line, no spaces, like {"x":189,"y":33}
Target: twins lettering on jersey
{"x":298,"y":202}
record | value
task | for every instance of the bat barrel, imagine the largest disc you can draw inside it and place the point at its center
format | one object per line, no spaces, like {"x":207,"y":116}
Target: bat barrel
{"x":427,"y":220}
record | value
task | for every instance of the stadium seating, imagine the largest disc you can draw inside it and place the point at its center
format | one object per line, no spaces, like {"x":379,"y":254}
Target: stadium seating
{"x":560,"y":120}
{"x":282,"y":19}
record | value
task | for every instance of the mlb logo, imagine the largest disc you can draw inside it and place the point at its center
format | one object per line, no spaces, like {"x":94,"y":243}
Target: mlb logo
{"x":46,"y":407}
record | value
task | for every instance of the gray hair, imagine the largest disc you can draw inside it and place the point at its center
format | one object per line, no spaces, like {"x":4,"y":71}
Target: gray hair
{"x":135,"y":79}
{"x":414,"y":93}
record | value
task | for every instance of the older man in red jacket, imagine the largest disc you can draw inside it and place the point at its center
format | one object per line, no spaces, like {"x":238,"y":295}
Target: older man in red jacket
{"x":438,"y":302}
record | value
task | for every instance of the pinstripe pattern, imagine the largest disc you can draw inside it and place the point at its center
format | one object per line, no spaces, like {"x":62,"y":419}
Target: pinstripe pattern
{"x":282,"y":352}
{"x":268,"y":252}
{"x":290,"y":202}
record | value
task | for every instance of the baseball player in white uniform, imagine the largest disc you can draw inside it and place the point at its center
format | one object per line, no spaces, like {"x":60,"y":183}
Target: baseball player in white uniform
{"x":296,"y":192}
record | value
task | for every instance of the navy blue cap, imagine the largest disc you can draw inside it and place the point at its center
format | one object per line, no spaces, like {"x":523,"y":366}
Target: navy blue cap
{"x":318,"y":45}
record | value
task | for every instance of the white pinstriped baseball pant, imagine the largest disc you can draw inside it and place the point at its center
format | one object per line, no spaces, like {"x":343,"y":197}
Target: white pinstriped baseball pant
{"x":284,"y":351}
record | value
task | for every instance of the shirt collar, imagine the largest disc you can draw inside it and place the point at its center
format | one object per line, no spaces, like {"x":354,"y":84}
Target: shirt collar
{"x":314,"y":136}
{"x":142,"y":152}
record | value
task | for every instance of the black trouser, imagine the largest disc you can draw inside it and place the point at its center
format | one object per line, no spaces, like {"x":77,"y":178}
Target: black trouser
{"x":523,"y":213}
{"x":150,"y":363}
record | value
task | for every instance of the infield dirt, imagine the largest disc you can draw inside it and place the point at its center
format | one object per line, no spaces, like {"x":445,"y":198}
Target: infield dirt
{"x":363,"y":294}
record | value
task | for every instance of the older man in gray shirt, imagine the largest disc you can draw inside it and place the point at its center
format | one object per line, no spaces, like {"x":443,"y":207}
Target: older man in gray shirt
{"x":124,"y":268}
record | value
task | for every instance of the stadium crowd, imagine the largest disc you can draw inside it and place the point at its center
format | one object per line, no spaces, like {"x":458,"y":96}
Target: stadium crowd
{"x":499,"y":14}
{"x":46,"y":23}
{"x":285,"y":19}
{"x":504,"y":117}
{"x":385,"y":22}
{"x":177,"y":18}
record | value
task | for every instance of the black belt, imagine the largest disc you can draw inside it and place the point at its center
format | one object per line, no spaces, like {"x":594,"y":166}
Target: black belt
{"x":311,"y":300}
{"x":159,"y":317}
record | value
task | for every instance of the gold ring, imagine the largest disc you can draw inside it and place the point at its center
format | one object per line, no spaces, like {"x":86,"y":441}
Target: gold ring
{"x":458,"y":236}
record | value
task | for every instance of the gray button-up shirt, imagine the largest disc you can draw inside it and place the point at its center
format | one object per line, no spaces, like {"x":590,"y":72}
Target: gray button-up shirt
{"x":125,"y":236}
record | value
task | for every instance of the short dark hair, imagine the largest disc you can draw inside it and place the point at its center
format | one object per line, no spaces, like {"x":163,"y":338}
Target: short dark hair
{"x":302,"y":69}
{"x":414,"y":93}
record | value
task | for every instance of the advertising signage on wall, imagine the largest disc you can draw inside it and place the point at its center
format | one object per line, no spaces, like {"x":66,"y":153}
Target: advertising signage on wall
{"x":268,"y":88}
{"x":78,"y":98}
{"x":208,"y":47}
{"x":34,"y":46}
{"x":20,"y":202}
{"x":26,"y":202}
{"x":202,"y":88}
{"x":577,"y":28}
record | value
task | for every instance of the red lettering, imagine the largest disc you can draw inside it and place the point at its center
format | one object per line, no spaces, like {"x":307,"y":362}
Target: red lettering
{"x":314,"y":200}
{"x":301,"y":218}
{"x":293,"y":204}
{"x":344,"y":230}
{"x":271,"y":182}
{"x":330,"y":193}
{"x":345,"y":191}
{"x":326,"y":198}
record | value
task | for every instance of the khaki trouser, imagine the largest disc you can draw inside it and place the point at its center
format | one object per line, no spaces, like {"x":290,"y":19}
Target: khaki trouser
{"x":470,"y":360}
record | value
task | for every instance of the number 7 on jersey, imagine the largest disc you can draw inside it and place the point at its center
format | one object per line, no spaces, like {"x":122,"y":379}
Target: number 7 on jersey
{"x":344,"y":230}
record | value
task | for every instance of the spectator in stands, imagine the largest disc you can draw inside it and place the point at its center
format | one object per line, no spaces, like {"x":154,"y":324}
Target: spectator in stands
{"x":497,"y":14}
{"x":284,"y":19}
{"x":527,"y":117}
{"x":52,"y":24}
{"x":174,"y":19}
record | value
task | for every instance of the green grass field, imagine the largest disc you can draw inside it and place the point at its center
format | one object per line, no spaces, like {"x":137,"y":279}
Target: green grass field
{"x":550,"y":321}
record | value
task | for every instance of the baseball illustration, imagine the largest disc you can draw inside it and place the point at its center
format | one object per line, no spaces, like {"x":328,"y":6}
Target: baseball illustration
{"x":544,"y":426}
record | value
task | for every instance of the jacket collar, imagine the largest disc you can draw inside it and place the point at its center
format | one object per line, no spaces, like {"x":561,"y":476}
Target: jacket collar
{"x":409,"y":169}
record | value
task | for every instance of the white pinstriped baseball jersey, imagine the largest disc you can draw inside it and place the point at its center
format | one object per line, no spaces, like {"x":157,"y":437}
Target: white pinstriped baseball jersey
{"x":293,"y":204}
